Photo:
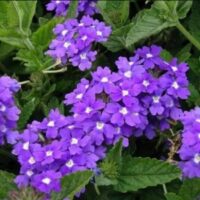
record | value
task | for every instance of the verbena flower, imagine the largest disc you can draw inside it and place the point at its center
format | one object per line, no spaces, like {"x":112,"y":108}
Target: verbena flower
{"x":190,"y":149}
{"x":9,"y":113}
{"x":87,"y":7}
{"x":74,"y":40}
{"x":143,"y":95}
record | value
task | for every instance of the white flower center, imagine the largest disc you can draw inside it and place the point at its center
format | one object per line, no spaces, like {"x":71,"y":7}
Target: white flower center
{"x":174,"y":68}
{"x":100,"y":125}
{"x":81,"y":24}
{"x":64,"y":32}
{"x":51,"y":124}
{"x":57,"y":2}
{"x":104,"y":80}
{"x":198,"y":120}
{"x":70,"y":163}
{"x":128,"y":74}
{"x":49,"y":153}
{"x":149,"y":55}
{"x":46,"y":180}
{"x":88,"y":110}
{"x":99,"y":33}
{"x":3,"y":129}
{"x":196,"y":158}
{"x":74,"y":141}
{"x":125,"y":93}
{"x":131,"y":63}
{"x":123,"y":111}
{"x":175,"y":85}
{"x":79,"y":96}
{"x":199,"y":135}
{"x":145,"y":83}
{"x":156,"y":99}
{"x":31,"y":160}
{"x":83,"y":56}
{"x":84,"y":37}
{"x":135,"y":113}
{"x":29,"y":173}
{"x":26,"y":146}
{"x":67,"y":44}
{"x":2,"y":108}
{"x":70,"y":127}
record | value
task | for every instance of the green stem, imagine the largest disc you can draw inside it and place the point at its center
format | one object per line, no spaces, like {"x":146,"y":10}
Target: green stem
{"x":54,"y":71}
{"x":187,"y":34}
{"x":24,"y":82}
{"x":58,"y":61}
{"x":29,"y":44}
{"x":96,"y":189}
{"x":164,"y":188}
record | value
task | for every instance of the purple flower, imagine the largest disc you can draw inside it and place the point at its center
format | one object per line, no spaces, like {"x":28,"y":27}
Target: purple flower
{"x":74,"y":40}
{"x":47,"y":181}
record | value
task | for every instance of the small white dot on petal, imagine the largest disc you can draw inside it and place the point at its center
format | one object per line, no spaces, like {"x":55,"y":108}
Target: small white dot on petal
{"x":70,"y":163}
{"x":175,"y":85}
{"x":49,"y":153}
{"x":79,"y":96}
{"x":100,"y":125}
{"x":83,"y":56}
{"x":51,"y":124}
{"x":3,"y":129}
{"x":88,"y":110}
{"x":31,"y":160}
{"x":104,"y":80}
{"x":125,"y":93}
{"x":46,"y":180}
{"x":26,"y":146}
{"x":156,"y":99}
{"x":67,"y":44}
{"x":64,"y":32}
{"x":29,"y":173}
{"x":198,"y":120}
{"x":196,"y":158}
{"x":149,"y":55}
{"x":99,"y":33}
{"x":174,"y":68}
{"x":123,"y":111}
{"x":2,"y":108}
{"x":128,"y":74}
{"x":145,"y":83}
{"x":74,"y":141}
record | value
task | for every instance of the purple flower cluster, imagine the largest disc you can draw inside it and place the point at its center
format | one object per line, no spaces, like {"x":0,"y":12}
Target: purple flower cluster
{"x":138,"y":99}
{"x":87,"y":7}
{"x":74,"y":41}
{"x":9,"y":113}
{"x":190,"y":149}
{"x":53,"y":148}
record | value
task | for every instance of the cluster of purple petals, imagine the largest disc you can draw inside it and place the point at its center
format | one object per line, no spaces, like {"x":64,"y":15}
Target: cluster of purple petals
{"x":190,"y":149}
{"x":53,"y":148}
{"x":74,"y":40}
{"x":87,"y":7}
{"x":139,"y":99}
{"x":9,"y":113}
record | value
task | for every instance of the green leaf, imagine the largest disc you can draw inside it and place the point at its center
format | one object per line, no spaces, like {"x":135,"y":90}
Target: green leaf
{"x":194,"y":95}
{"x":72,"y":10}
{"x":183,"y":8}
{"x":26,"y":112}
{"x":184,"y":54}
{"x":172,"y":196}
{"x":117,"y":40}
{"x":190,"y":190}
{"x":110,"y":166}
{"x":15,"y":20}
{"x":194,"y":23}
{"x":6,"y":183}
{"x":72,"y":184}
{"x":44,"y":34}
{"x":5,"y":50}
{"x":138,"y":173}
{"x":146,"y":24}
{"x":115,"y":12}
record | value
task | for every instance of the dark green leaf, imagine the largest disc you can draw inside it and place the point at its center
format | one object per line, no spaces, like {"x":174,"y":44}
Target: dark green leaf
{"x":184,"y":54}
{"x":190,"y":189}
{"x":72,"y":184}
{"x":183,"y":8}
{"x":26,"y":112}
{"x":138,"y":173}
{"x":194,"y":23}
{"x":44,"y":34}
{"x":115,"y":12}
{"x":172,"y":196}
{"x":6,"y":184}
{"x":146,"y":24}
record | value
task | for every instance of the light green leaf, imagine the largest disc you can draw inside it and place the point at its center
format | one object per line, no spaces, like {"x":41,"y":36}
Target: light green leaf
{"x":15,"y":20}
{"x":194,"y":23}
{"x":6,"y":184}
{"x":110,"y":167}
{"x":183,"y":8}
{"x":26,"y":112}
{"x":190,"y":190}
{"x":115,"y":12}
{"x":44,"y":34}
{"x":72,"y":184}
{"x":72,"y":10}
{"x":172,"y":196}
{"x":146,"y":24}
{"x":138,"y":173}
